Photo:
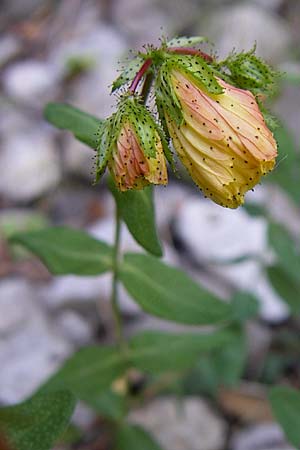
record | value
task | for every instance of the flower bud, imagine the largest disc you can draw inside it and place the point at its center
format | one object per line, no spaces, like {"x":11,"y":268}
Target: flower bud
{"x":132,"y":145}
{"x":218,"y":132}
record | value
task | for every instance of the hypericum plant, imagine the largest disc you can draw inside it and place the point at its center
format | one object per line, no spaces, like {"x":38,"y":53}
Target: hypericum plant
{"x":211,"y":112}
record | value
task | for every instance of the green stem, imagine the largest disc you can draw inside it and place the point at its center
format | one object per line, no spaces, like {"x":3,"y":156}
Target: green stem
{"x":116,"y":254}
{"x":147,"y":86}
{"x":114,"y":293}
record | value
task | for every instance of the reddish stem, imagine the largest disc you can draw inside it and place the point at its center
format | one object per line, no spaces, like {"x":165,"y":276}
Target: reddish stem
{"x":140,"y":75}
{"x":190,"y":51}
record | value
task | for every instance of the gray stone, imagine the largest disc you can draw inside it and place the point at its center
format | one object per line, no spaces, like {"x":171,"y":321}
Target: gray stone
{"x":267,"y":436}
{"x":182,"y":424}
{"x":20,"y":219}
{"x":29,"y":165}
{"x":30,"y":348}
{"x":217,"y":237}
{"x":19,"y":9}
{"x":9,"y":47}
{"x":74,"y":328}
{"x":141,"y":20}
{"x":104,"y":46}
{"x":13,"y":309}
{"x":240,"y":26}
{"x":30,"y":81}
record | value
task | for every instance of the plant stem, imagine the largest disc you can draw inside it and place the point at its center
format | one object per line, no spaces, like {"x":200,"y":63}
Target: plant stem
{"x":146,"y":87}
{"x":114,"y":293}
{"x":140,"y":75}
{"x":190,"y":51}
{"x":117,"y":316}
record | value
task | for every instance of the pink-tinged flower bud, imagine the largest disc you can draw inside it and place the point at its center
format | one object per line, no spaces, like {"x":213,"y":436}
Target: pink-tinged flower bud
{"x":220,"y":137}
{"x":132,"y":145}
{"x":130,"y":167}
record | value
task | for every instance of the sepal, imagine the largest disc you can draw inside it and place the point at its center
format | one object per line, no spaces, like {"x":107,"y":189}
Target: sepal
{"x":249,"y":72}
{"x":128,"y":73}
{"x":185,"y":41}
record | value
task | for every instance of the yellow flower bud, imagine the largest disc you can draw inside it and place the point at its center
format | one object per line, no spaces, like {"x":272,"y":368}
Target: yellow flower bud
{"x":130,"y":167}
{"x":222,"y":138}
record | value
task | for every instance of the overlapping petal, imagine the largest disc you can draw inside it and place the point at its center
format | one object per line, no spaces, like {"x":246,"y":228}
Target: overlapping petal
{"x":130,"y":167}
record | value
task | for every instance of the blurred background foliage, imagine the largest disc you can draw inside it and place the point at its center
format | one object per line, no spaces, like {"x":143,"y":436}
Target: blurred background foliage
{"x":69,"y":52}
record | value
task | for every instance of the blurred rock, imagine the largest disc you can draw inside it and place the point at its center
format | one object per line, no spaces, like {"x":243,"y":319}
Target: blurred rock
{"x":13,"y":310}
{"x":258,"y":345}
{"x":30,"y":348}
{"x":30,"y":81}
{"x":9,"y":47}
{"x":269,"y":4}
{"x":168,"y":200}
{"x":182,"y":424}
{"x":247,"y":402}
{"x":141,"y":21}
{"x":220,"y":239}
{"x":78,"y":158}
{"x":13,"y":118}
{"x":240,"y":26}
{"x":29,"y":165}
{"x":217,"y":235}
{"x":267,"y":436}
{"x":21,"y":219}
{"x":19,"y":9}
{"x":74,"y":328}
{"x":104,"y":46}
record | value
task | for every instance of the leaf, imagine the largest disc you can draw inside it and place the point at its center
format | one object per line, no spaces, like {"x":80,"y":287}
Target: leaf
{"x":287,"y":288}
{"x":109,"y":404}
{"x":245,"y":306}
{"x":285,"y":247}
{"x":84,"y":126}
{"x":220,"y":367}
{"x":186,"y":41}
{"x":132,"y":437}
{"x":137,"y":211}
{"x":88,"y":372}
{"x":37,"y":423}
{"x":157,"y":351}
{"x":130,"y":70}
{"x":285,"y":404}
{"x":169,"y":293}
{"x":67,"y":251}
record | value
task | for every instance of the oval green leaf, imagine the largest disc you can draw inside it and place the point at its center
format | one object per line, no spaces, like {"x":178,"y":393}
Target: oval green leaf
{"x":137,"y":211}
{"x":91,"y":370}
{"x":286,"y":250}
{"x":67,"y":251}
{"x":133,"y":437}
{"x":158,"y":351}
{"x":169,"y":293}
{"x":84,"y":126}
{"x":37,"y":423}
{"x":285,"y":404}
{"x":287,"y":288}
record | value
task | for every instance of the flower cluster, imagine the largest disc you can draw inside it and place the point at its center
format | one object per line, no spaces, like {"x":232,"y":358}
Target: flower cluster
{"x":210,"y":112}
